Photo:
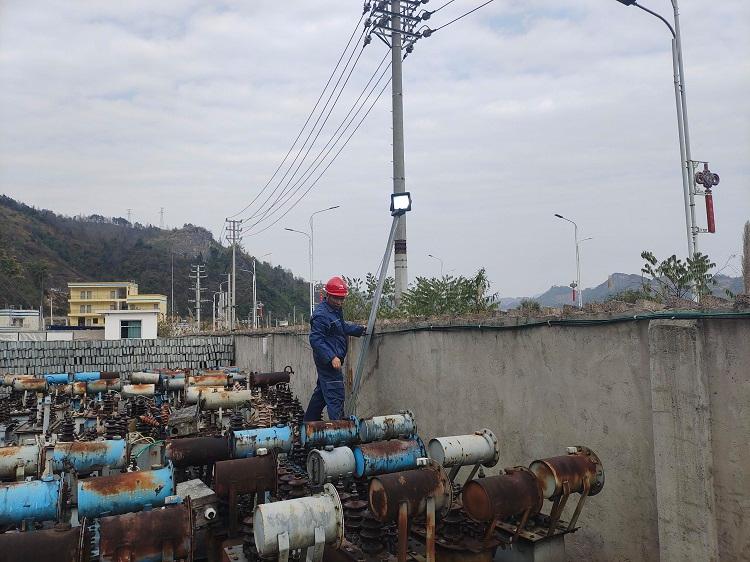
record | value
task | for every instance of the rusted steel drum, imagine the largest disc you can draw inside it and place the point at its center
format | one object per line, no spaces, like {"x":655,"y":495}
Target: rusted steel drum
{"x":109,"y":375}
{"x":130,"y":390}
{"x":246,"y":442}
{"x":388,"y":491}
{"x":147,"y":535}
{"x":380,"y":428}
{"x":123,"y":493}
{"x":216,"y":399}
{"x":384,"y":457}
{"x":462,"y":450}
{"x":193,"y":393}
{"x":209,"y":380}
{"x":141,"y":377}
{"x":578,"y":465}
{"x":31,"y":500}
{"x":36,"y":385}
{"x":87,"y":456}
{"x":246,"y":476}
{"x":103,"y":385}
{"x":502,"y":496}
{"x":321,"y":433}
{"x":49,"y":545}
{"x":12,"y":457}
{"x":270,"y":379}
{"x":197,"y":451}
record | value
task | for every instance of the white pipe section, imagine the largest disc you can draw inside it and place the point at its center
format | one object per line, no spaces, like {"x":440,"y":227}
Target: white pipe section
{"x":465,"y":450}
{"x":299,"y":518}
{"x":144,"y":378}
{"x":130,"y":390}
{"x":225,"y":399}
{"x":193,"y":393}
{"x":330,"y":463}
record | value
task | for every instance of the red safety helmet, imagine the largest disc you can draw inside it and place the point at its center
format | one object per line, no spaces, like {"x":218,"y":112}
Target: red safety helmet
{"x":336,"y":287}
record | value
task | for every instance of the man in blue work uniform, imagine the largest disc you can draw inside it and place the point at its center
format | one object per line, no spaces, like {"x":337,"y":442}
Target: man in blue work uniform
{"x":329,"y":339}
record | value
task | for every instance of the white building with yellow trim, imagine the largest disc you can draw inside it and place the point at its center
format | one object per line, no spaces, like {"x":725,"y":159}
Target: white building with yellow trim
{"x":90,"y":300}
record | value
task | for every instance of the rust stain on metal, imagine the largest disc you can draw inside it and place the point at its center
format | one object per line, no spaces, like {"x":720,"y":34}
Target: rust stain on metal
{"x":59,"y":544}
{"x":388,"y":492}
{"x":197,"y":451}
{"x":312,"y":427}
{"x":127,"y":482}
{"x":383,"y":448}
{"x":245,"y":476}
{"x":144,"y":534}
{"x":503,"y":496}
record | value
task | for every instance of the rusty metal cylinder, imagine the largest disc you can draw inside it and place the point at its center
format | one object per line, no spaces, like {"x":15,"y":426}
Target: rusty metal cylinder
{"x":324,"y":465}
{"x":88,"y":456}
{"x":103,"y":385}
{"x":27,"y":456}
{"x":465,"y":450}
{"x":33,"y":384}
{"x":298,"y":519}
{"x":502,"y":496}
{"x":193,"y":393}
{"x":147,"y":535}
{"x":322,"y":433}
{"x":132,"y":390}
{"x":78,"y":388}
{"x":579,"y":465}
{"x":388,"y":491}
{"x":8,"y":379}
{"x":142,"y":377}
{"x":216,"y":399}
{"x":247,"y":442}
{"x":270,"y":379}
{"x":123,"y":493}
{"x":175,"y":383}
{"x":383,"y":457}
{"x":48,"y":545}
{"x":109,"y":375}
{"x":197,"y":451}
{"x":209,"y":380}
{"x":246,"y":476}
{"x":33,"y":500}
{"x":380,"y":428}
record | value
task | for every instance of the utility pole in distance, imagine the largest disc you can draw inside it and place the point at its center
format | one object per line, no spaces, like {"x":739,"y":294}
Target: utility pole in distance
{"x":198,"y":272}
{"x":234,"y":238}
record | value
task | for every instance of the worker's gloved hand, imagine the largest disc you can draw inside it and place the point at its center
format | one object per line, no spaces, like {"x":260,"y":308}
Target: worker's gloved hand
{"x":336,"y":363}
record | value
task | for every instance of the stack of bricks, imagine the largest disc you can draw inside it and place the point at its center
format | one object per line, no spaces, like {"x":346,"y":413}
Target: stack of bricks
{"x":40,"y":357}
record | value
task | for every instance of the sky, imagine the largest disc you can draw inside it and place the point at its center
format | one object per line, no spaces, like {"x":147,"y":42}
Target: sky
{"x":521,"y":110}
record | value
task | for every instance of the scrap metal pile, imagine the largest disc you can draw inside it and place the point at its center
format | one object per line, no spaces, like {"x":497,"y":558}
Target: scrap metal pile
{"x":218,"y":465}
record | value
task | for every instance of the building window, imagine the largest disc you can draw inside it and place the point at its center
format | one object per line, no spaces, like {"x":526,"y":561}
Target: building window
{"x":88,"y":321}
{"x":130,"y":329}
{"x":88,"y":294}
{"x":17,"y":322}
{"x":113,"y":294}
{"x":88,"y":308}
{"x":156,"y":306}
{"x":83,"y":294}
{"x":113,"y":306}
{"x":96,"y":321}
{"x":83,"y":309}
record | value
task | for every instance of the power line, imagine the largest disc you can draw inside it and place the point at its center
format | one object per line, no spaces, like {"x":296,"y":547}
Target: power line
{"x":314,"y":127}
{"x":304,"y":126}
{"x":335,"y":137}
{"x":460,"y":17}
{"x":329,"y":163}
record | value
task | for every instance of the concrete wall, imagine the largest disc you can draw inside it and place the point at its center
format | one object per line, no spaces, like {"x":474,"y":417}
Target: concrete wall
{"x":617,"y":388}
{"x":39,"y":357}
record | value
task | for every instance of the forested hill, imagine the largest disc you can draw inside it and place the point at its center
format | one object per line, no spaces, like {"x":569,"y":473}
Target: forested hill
{"x":40,"y":249}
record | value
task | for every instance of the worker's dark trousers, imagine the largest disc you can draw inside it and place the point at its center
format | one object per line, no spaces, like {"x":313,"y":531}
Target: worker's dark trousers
{"x":329,"y":392}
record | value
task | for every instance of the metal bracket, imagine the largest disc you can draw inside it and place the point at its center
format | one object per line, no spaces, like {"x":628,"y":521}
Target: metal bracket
{"x":283,"y":539}
{"x":315,"y":553}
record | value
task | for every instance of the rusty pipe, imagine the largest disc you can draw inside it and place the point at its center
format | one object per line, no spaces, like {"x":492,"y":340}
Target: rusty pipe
{"x":580,"y":465}
{"x":502,"y":496}
{"x":411,"y":487}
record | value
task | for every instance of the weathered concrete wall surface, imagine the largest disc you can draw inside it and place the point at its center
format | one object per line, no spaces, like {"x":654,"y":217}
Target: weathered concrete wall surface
{"x":39,"y":357}
{"x":543,"y":389}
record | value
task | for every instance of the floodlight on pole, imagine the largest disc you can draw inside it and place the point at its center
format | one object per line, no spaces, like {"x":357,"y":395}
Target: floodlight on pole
{"x":400,"y":205}
{"x":309,"y":257}
{"x":438,"y":259}
{"x":578,"y":258}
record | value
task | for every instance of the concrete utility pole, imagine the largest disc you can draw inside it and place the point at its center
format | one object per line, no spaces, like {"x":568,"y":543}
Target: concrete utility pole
{"x":399,"y":167}
{"x":234,"y":233}
{"x":198,"y":272}
{"x":395,"y":21}
{"x":161,"y":218}
{"x":130,"y":211}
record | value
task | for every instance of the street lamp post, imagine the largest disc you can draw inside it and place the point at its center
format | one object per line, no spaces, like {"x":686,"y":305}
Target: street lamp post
{"x":309,"y":256}
{"x":255,"y":289}
{"x":441,"y":263}
{"x":312,"y":255}
{"x":578,"y":258}
{"x":683,"y":131}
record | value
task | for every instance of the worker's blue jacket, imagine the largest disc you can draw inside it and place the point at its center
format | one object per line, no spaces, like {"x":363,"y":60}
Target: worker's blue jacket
{"x":329,"y":334}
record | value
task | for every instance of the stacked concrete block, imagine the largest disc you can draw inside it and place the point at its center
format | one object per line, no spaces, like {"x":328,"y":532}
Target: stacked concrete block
{"x":39,"y":357}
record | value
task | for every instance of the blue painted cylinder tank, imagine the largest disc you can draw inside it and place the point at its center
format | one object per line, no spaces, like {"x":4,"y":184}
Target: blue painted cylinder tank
{"x":383,"y":457}
{"x":35,"y":500}
{"x":123,"y":493}
{"x":87,"y":376}
{"x":87,"y":456}
{"x":322,"y":433}
{"x":57,"y":378}
{"x":246,"y":442}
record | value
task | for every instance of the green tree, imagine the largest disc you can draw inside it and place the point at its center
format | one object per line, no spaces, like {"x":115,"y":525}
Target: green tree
{"x":448,"y":295}
{"x":673,"y":278}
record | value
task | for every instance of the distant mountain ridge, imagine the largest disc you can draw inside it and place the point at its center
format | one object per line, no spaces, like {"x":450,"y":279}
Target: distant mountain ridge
{"x":40,"y":249}
{"x":557,"y":295}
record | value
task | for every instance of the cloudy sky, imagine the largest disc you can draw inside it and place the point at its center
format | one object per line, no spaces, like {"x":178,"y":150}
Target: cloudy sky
{"x":523,"y":109}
